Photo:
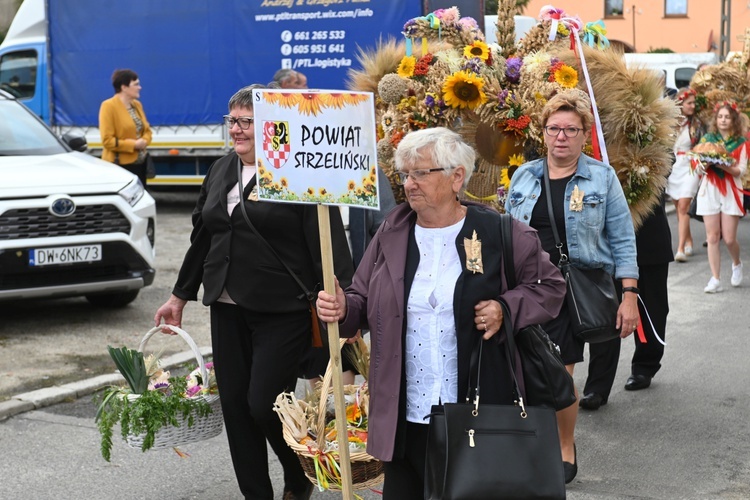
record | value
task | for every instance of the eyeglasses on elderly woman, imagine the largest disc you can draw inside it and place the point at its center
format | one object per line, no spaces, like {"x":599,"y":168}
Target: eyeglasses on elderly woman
{"x":569,"y":132}
{"x":416,"y":175}
{"x":243,"y":121}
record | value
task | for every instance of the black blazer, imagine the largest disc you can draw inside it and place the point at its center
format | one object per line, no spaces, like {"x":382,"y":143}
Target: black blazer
{"x":225,"y":253}
{"x":653,"y":240}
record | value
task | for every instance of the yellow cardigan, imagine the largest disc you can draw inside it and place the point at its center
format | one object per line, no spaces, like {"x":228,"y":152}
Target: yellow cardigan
{"x":117,"y":129}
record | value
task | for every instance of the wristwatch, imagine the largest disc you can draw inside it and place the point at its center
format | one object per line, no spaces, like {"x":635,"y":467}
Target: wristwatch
{"x":631,"y":289}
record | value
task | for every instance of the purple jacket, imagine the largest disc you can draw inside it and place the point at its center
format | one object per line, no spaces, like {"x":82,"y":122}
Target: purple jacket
{"x":376,"y":300}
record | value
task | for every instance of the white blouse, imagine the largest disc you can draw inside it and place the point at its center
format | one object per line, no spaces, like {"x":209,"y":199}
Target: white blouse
{"x":431,"y":349}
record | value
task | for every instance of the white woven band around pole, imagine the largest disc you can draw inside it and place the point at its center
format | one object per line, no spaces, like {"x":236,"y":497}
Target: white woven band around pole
{"x":597,"y":120}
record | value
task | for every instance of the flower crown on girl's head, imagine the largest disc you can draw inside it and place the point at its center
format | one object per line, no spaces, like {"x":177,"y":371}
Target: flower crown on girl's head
{"x":684,"y":95}
{"x":730,"y":104}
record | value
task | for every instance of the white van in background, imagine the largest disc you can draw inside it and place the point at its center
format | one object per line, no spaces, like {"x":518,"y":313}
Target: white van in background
{"x":523,"y":25}
{"x":678,"y":68}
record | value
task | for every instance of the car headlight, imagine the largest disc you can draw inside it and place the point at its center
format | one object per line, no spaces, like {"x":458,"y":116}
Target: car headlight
{"x":133,"y":192}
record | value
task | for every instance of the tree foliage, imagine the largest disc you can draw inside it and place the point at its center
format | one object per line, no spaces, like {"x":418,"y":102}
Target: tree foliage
{"x":490,"y":6}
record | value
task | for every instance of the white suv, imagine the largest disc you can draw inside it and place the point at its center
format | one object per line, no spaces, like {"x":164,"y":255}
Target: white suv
{"x":70,"y":224}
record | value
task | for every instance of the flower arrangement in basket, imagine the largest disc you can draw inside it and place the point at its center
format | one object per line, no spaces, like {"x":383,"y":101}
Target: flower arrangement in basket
{"x":309,"y":428}
{"x":710,"y":153}
{"x":157,"y":410}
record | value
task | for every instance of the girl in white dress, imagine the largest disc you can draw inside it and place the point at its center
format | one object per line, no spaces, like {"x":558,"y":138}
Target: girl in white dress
{"x":720,"y":193}
{"x":682,"y":183}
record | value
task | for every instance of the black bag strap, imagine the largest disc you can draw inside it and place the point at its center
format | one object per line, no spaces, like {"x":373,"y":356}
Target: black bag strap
{"x":551,"y":212}
{"x":306,"y":293}
{"x":475,"y":363}
{"x":506,"y":237}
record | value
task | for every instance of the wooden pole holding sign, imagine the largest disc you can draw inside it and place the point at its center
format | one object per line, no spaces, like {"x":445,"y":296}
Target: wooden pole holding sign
{"x":329,"y":285}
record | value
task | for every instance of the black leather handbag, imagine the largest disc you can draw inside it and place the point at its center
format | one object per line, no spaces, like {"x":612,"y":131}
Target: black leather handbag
{"x":483,"y":451}
{"x":693,"y":209}
{"x":546,"y":380}
{"x":591,"y":296}
{"x":592,"y":302}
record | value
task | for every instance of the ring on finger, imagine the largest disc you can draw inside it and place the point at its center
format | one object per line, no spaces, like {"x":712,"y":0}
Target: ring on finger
{"x":483,"y":319}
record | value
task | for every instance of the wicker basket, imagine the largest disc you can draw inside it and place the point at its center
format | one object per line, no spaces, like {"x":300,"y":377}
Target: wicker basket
{"x":367,"y":471}
{"x":203,"y":427}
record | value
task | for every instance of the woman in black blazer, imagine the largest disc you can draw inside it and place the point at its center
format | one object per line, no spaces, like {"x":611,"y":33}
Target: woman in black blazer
{"x":260,"y":318}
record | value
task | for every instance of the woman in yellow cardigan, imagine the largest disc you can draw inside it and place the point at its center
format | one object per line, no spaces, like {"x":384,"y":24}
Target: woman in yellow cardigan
{"x":123,"y":126}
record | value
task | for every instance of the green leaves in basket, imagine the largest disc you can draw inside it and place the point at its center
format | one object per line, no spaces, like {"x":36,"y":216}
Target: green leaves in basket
{"x":146,"y":414}
{"x":132,"y":366}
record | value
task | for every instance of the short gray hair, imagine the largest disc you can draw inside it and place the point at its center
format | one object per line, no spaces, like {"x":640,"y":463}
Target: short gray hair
{"x":243,"y":98}
{"x":446,"y":149}
{"x":284,"y":75}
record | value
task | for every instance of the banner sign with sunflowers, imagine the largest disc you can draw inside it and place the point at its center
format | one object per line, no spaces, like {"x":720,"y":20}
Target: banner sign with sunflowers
{"x":316,"y":146}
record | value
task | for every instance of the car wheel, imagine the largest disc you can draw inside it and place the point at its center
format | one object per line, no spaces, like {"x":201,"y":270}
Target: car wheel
{"x":113,"y":299}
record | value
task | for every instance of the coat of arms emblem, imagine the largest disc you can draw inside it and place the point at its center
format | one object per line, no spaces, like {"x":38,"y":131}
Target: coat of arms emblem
{"x":276,"y":142}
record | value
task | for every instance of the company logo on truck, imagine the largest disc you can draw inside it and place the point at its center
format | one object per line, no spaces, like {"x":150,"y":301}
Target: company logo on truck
{"x":276,"y":142}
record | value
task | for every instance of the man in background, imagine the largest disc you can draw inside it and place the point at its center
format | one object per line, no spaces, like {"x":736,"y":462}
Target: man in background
{"x":287,"y":78}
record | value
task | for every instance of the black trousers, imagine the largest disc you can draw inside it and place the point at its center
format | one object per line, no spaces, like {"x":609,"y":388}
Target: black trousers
{"x":138,"y":169}
{"x":256,"y":357}
{"x":647,"y":357}
{"x":404,"y":477}
{"x":603,"y":360}
{"x":653,"y":286}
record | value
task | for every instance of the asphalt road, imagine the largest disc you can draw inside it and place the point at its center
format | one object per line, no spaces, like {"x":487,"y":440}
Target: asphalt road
{"x":686,"y":437}
{"x":45,"y":343}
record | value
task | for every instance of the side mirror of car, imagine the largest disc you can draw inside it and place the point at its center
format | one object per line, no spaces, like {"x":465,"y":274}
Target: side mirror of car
{"x":75,"y":141}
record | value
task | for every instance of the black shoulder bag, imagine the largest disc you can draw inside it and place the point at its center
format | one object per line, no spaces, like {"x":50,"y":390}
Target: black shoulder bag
{"x":492,"y":451}
{"x":546,"y":380}
{"x":317,"y":338}
{"x":591,"y":296}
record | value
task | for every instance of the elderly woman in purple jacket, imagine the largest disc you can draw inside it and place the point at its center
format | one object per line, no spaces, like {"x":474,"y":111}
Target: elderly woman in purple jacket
{"x":429,"y":289}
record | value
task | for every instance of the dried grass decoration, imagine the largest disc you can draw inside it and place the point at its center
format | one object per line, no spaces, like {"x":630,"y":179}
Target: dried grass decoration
{"x":726,"y":81}
{"x":444,"y":74}
{"x":309,"y":429}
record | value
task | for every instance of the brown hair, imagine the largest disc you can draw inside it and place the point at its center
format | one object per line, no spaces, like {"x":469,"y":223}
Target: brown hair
{"x":739,"y":126}
{"x":123,"y":77}
{"x":570,"y":100}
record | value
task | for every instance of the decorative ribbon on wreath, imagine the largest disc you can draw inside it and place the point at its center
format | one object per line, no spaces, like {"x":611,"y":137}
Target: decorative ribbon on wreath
{"x":434,"y":22}
{"x":593,"y":35}
{"x":641,"y":333}
{"x":574,"y":25}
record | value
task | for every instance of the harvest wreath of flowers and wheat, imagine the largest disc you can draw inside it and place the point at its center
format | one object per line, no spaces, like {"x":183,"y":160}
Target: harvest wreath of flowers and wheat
{"x":444,"y":74}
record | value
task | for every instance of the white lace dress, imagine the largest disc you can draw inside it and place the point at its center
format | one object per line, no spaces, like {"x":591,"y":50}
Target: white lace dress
{"x":682,"y":182}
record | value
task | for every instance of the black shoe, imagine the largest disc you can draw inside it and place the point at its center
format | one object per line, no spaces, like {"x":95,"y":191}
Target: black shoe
{"x":571,"y":470}
{"x":637,"y":382}
{"x":592,"y":401}
{"x":305,"y":495}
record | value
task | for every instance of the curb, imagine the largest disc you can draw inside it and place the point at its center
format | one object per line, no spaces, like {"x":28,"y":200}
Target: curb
{"x":48,"y":396}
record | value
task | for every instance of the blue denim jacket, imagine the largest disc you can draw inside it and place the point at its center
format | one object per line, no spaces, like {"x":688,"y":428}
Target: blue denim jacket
{"x":599,"y":236}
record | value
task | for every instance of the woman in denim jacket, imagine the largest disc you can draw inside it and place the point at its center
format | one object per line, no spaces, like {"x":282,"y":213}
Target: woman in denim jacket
{"x":596,"y":231}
